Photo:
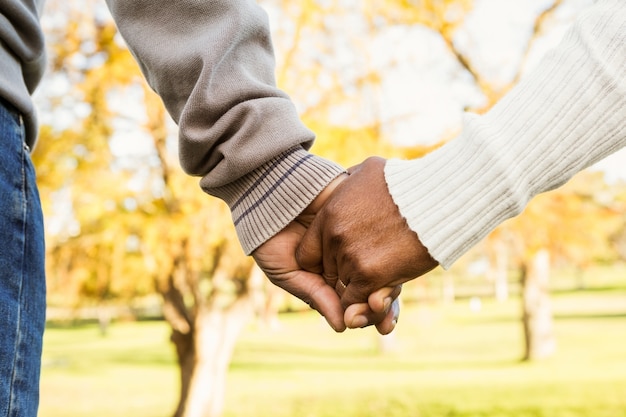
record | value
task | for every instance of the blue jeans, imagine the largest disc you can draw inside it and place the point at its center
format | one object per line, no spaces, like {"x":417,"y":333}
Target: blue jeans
{"x":22,"y":273}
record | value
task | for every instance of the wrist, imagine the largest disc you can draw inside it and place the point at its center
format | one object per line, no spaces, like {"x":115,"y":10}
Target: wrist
{"x":323,"y":196}
{"x":270,"y":197}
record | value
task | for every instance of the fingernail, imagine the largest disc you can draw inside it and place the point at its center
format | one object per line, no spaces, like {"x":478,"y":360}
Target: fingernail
{"x":358,"y":322}
{"x":387,"y":303}
{"x":337,"y":327}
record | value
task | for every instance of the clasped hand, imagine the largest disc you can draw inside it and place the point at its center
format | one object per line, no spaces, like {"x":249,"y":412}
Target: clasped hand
{"x":349,"y":252}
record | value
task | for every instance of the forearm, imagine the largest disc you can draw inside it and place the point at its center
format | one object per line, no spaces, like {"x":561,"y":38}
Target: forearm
{"x":564,"y":116}
{"x":212,"y":64}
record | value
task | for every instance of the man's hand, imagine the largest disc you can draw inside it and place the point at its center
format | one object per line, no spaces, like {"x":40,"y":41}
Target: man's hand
{"x":276,"y":257}
{"x":360,"y":239}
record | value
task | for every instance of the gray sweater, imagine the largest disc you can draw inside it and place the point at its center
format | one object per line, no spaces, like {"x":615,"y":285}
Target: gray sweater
{"x":22,"y":57}
{"x":212,"y":64}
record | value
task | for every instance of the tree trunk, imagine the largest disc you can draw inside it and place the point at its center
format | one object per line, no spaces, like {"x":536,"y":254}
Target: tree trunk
{"x":104,"y":319}
{"x":204,"y":355}
{"x":499,"y":271}
{"x":185,"y":351}
{"x":537,"y":313}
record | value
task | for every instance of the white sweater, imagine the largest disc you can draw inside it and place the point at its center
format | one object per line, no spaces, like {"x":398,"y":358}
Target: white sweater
{"x":564,"y":116}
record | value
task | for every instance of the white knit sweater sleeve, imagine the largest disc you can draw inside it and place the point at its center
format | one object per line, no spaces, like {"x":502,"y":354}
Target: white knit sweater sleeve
{"x":567,"y":114}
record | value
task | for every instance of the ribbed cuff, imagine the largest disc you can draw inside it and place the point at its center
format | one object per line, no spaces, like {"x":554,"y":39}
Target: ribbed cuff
{"x":266,"y":200}
{"x":454,"y":197}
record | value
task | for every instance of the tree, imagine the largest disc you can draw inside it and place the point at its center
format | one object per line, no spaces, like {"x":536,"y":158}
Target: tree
{"x":88,"y":207}
{"x":132,"y":228}
{"x":202,"y":274}
{"x":571,"y":224}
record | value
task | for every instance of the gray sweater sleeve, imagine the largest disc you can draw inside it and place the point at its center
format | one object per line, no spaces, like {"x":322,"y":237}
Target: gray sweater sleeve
{"x":567,"y":114}
{"x":212,"y":64}
{"x":22,"y":58}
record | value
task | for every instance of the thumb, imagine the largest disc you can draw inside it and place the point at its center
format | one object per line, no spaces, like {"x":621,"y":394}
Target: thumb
{"x":380,"y":300}
{"x":326,"y":302}
{"x":313,"y":290}
{"x":309,"y":251}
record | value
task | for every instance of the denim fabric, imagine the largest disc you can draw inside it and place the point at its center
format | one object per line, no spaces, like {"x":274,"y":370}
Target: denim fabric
{"x":22,"y":278}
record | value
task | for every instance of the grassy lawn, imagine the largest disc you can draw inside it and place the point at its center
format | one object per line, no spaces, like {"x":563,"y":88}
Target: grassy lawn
{"x":445,"y":360}
{"x":131,"y":372}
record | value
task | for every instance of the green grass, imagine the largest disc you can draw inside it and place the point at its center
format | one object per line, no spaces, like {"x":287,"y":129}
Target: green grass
{"x":447,"y":361}
{"x":131,"y":372}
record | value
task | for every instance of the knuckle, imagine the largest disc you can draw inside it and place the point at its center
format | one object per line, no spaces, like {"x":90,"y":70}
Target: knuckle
{"x":366,"y":267}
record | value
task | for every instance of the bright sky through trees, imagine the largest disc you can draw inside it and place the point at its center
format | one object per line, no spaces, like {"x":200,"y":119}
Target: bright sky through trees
{"x":422,"y":90}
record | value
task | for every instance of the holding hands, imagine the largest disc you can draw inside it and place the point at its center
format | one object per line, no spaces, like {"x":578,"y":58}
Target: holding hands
{"x":349,"y":252}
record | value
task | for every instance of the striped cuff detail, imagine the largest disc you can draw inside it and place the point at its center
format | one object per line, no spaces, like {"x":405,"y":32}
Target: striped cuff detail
{"x":267,"y":199}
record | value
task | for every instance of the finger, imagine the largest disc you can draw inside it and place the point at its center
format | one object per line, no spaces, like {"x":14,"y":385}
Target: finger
{"x":315,"y":255}
{"x":356,"y":292}
{"x":340,"y":287}
{"x":380,"y":300}
{"x":391,"y":319}
{"x":312,"y":289}
{"x":329,"y":258}
{"x":333,"y":282}
{"x":326,"y":302}
{"x":361,"y":315}
{"x":309,"y":251}
{"x":356,"y":316}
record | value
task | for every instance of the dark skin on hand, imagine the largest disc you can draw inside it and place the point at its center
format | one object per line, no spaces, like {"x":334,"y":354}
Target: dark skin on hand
{"x":277,"y":258}
{"x":360,"y":239}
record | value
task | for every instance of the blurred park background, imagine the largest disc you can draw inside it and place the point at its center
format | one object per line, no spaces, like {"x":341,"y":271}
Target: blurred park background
{"x":154,"y":311}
